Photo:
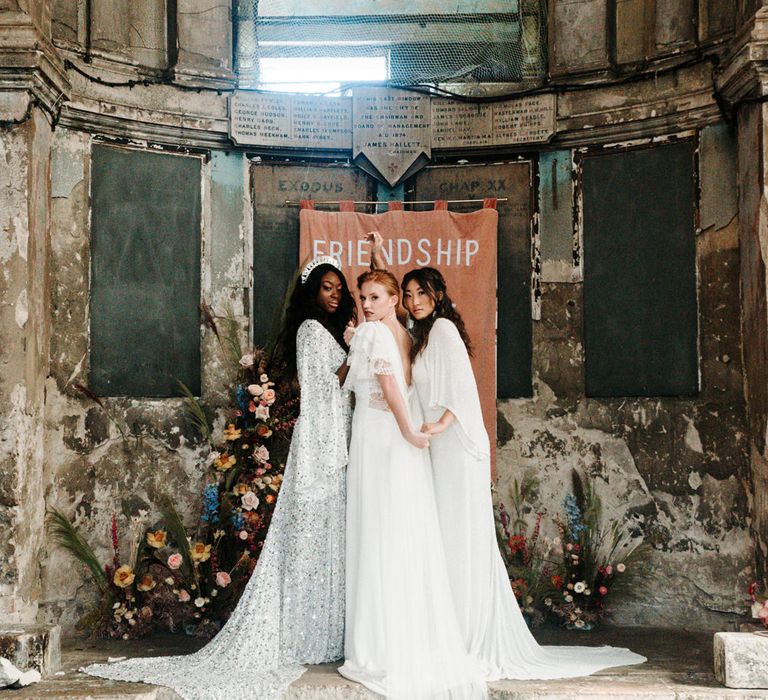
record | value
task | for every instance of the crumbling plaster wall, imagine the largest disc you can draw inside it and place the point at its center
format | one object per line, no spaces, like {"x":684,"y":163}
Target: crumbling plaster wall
{"x":680,"y":466}
{"x":24,"y":291}
{"x":91,"y":466}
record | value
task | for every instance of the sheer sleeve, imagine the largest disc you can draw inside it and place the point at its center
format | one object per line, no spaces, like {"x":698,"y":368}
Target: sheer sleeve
{"x":315,"y":360}
{"x":373,"y":351}
{"x":319,"y":443}
{"x":452,"y":386}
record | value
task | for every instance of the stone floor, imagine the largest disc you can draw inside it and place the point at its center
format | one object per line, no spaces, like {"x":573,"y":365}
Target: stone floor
{"x":679,"y":668}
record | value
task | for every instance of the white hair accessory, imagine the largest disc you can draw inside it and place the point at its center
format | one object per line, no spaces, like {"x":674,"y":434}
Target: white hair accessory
{"x":319,"y":260}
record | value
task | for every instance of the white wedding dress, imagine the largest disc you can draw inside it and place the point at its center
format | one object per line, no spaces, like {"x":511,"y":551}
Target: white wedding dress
{"x":492,"y":625}
{"x":292,"y":610}
{"x":402,"y":639}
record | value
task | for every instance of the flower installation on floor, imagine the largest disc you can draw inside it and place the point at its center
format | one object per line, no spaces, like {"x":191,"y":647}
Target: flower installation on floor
{"x":758,"y":602}
{"x":190,"y":579}
{"x":569,"y":578}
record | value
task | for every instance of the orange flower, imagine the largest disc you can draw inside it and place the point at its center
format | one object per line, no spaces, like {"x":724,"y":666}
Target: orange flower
{"x":269,"y":498}
{"x":200,"y":551}
{"x":241,"y":489}
{"x":157,"y":539}
{"x":224,"y":462}
{"x":263,"y":430}
{"x":557,"y":582}
{"x":147,"y":583}
{"x":232,"y":433}
{"x":123,"y":577}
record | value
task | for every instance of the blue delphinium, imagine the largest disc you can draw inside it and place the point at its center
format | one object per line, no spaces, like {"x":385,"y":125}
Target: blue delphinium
{"x":573,"y":514}
{"x":243,"y":397}
{"x":210,"y":504}
{"x":238,"y":521}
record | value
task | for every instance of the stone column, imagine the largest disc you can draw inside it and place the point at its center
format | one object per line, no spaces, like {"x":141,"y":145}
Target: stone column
{"x":24,"y":327}
{"x":743,"y":82}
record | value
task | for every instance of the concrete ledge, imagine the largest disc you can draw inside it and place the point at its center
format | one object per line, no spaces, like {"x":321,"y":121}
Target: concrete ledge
{"x":32,"y":647}
{"x":741,"y":659}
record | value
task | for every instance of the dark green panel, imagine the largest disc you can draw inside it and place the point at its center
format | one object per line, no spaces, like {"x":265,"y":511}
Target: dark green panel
{"x":514,"y":327}
{"x":145,"y":273}
{"x":640,"y":312}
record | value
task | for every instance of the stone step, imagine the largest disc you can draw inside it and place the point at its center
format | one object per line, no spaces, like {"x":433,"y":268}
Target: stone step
{"x":680,"y":667}
{"x":741,"y":659}
{"x":32,"y":647}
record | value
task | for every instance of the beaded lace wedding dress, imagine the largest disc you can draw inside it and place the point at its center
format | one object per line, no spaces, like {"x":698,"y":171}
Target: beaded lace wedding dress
{"x":402,"y":636}
{"x":292,"y":610}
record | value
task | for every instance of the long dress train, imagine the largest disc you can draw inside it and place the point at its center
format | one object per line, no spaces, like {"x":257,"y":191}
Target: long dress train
{"x":402,"y":639}
{"x":292,"y":610}
{"x":492,"y":625}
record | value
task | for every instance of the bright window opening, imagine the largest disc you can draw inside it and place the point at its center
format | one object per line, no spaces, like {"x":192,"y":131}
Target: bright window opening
{"x":324,"y":74}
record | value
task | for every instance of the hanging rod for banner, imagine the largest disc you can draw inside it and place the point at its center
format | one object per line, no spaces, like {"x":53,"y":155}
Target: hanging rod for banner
{"x":296,"y":203}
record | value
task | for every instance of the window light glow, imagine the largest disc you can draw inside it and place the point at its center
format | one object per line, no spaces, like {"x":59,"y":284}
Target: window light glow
{"x":324,"y":74}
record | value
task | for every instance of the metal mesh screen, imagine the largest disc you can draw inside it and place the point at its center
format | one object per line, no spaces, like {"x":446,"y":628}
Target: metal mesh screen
{"x":424,"y":41}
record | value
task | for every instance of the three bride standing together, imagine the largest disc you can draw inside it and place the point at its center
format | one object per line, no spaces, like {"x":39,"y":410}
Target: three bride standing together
{"x":419,"y":605}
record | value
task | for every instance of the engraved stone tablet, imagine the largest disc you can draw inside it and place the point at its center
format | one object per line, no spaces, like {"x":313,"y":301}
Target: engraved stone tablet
{"x":524,"y":120}
{"x":460,"y":125}
{"x":391,"y":131}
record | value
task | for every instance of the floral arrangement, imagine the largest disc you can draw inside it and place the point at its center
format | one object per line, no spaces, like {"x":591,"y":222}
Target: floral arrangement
{"x":532,"y":572}
{"x":569,"y":577}
{"x":593,"y":558}
{"x":191,"y":581}
{"x":759,"y":603}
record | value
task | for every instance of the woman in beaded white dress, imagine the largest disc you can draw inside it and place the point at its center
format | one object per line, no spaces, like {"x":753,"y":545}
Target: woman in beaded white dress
{"x":292,"y":610}
{"x":402,"y":639}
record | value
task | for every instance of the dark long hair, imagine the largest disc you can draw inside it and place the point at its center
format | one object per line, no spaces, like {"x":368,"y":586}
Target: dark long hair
{"x":303,"y":306}
{"x":433,"y":283}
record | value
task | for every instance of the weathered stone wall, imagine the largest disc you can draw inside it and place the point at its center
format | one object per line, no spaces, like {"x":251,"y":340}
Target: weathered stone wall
{"x":24,"y":319}
{"x":693,"y":472}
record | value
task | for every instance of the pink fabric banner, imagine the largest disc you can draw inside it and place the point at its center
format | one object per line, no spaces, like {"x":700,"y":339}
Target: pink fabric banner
{"x":461,"y":246}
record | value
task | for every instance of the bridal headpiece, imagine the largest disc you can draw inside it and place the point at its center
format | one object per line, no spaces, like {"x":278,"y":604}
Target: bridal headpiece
{"x":315,"y":262}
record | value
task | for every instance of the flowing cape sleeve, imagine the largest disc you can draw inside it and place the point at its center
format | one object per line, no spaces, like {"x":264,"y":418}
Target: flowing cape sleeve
{"x":371,"y":352}
{"x":452,"y":386}
{"x":319,"y":443}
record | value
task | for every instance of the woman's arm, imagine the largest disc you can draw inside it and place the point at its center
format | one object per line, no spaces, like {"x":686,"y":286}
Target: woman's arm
{"x":396,"y":404}
{"x":439,"y":426}
{"x":342,"y":372}
{"x":377,"y":246}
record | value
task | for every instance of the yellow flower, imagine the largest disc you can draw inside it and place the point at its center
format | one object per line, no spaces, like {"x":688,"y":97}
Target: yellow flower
{"x":147,"y":583}
{"x":157,"y":539}
{"x":241,"y":489}
{"x":200,"y":552}
{"x":123,"y":576}
{"x":224,"y":462}
{"x":232,"y":433}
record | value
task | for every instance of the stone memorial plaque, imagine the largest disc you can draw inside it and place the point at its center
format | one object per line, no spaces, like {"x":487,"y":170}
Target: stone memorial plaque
{"x":296,"y":121}
{"x":391,"y":131}
{"x":525,"y":120}
{"x":256,"y":118}
{"x":458,"y":124}
{"x":321,"y":122}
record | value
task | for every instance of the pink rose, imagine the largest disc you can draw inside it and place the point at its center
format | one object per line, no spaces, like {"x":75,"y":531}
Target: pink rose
{"x":602,"y":590}
{"x":763,"y":614}
{"x":255,"y":390}
{"x":621,"y":568}
{"x":223,"y":579}
{"x":261,"y":454}
{"x":243,"y":534}
{"x":175,"y":561}
{"x":247,"y":360}
{"x":250,"y":501}
{"x":269,"y":396}
{"x":608,"y":570}
{"x":184,"y":596}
